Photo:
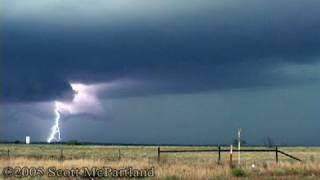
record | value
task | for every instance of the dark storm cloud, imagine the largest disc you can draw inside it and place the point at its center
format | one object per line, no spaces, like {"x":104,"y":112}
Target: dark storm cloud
{"x":174,"y":47}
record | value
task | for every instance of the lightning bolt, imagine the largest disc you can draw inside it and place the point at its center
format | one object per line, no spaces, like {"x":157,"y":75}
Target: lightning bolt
{"x":55,"y":130}
{"x":84,"y":101}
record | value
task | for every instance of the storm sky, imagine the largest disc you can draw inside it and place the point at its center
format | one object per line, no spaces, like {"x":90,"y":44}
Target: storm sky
{"x":177,"y":71}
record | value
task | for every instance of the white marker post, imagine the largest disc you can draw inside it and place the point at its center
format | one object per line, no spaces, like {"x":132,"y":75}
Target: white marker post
{"x":27,"y":139}
{"x":239,"y":145}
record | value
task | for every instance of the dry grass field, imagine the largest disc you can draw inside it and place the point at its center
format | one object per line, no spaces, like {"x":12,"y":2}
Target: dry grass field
{"x":171,"y":166}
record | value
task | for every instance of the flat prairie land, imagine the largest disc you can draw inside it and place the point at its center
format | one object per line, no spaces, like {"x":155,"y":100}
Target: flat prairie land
{"x":195,"y":165}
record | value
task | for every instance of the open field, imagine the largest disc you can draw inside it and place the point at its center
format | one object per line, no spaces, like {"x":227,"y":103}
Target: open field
{"x":171,"y":166}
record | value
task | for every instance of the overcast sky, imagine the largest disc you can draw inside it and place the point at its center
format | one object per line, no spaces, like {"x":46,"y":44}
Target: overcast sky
{"x":178,"y":71}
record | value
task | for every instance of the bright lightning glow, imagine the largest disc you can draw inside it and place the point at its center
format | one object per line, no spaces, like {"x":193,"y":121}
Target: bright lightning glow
{"x":84,"y":102}
{"x":55,"y":130}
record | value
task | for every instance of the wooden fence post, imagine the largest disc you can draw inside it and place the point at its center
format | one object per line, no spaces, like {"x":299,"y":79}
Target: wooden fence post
{"x":158,"y":153}
{"x":119,"y":154}
{"x":219,"y":155}
{"x":8,"y":153}
{"x":230,"y":158}
{"x":61,"y":154}
{"x":277,"y":155}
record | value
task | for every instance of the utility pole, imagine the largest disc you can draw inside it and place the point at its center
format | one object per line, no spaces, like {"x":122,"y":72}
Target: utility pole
{"x":239,"y":146}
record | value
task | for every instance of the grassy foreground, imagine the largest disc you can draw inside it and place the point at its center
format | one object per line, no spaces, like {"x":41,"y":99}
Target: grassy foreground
{"x":171,"y":166}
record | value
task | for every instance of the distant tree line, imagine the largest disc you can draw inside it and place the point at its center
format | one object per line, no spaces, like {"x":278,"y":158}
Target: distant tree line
{"x":70,"y":142}
{"x":73,"y":142}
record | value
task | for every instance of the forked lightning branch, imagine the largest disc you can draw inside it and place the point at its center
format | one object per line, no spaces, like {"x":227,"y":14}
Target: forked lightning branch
{"x":84,"y":101}
{"x":55,"y":130}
